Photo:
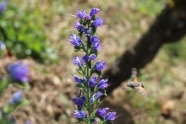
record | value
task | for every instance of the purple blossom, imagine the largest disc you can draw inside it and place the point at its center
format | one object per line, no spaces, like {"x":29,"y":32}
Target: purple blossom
{"x":102,"y":84}
{"x":95,"y":42}
{"x":96,"y":96}
{"x":79,"y":114}
{"x":92,"y":57}
{"x":80,"y":14}
{"x":75,"y":40}
{"x":92,"y":81}
{"x":102,"y":112}
{"x":2,"y":6}
{"x":94,"y":11}
{"x":98,"y":22}
{"x":17,"y":96}
{"x":87,"y":17}
{"x":18,"y":71}
{"x":100,"y":65}
{"x":85,"y":59}
{"x":79,"y":80}
{"x":77,"y":61}
{"x":110,"y":116}
{"x":79,"y":100}
{"x":78,"y":26}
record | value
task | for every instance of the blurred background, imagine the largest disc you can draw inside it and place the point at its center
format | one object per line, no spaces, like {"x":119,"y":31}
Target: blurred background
{"x":36,"y":31}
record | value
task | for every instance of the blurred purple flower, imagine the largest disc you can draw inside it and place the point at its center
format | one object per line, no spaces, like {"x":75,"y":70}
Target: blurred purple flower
{"x":92,"y":57}
{"x":102,"y":84}
{"x":79,"y":100}
{"x":110,"y":116}
{"x":87,"y":17}
{"x":18,"y":71}
{"x":96,"y":96}
{"x":78,"y":26}
{"x":85,"y":59}
{"x":98,"y":22}
{"x":95,"y":42}
{"x":17,"y":96}
{"x":100,"y":65}
{"x":92,"y":81}
{"x":77,"y":61}
{"x":75,"y":40}
{"x":102,"y":112}
{"x":79,"y":114}
{"x":79,"y":80}
{"x":94,"y":11}
{"x":2,"y":6}
{"x":80,"y":14}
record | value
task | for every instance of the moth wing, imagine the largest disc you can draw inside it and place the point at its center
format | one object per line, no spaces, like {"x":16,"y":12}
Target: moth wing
{"x":133,"y":85}
{"x":141,"y":90}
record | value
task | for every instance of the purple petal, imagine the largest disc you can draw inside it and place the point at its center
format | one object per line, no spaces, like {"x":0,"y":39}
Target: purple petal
{"x":94,"y":11}
{"x":98,"y":22}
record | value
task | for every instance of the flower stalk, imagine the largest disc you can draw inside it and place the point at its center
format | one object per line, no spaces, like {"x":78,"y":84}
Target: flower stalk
{"x":92,"y":86}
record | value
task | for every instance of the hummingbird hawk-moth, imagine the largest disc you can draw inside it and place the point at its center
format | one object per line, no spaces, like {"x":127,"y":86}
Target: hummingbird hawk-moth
{"x":135,"y":84}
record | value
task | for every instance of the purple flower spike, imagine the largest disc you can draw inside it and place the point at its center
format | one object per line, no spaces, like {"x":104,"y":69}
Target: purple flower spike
{"x":80,"y":14}
{"x":92,"y":57}
{"x":77,"y":61}
{"x":96,"y":96}
{"x":2,"y":6}
{"x":103,"y":84}
{"x":18,"y":71}
{"x":17,"y":96}
{"x":100,"y":65}
{"x":102,"y":112}
{"x":94,"y":11}
{"x":79,"y":114}
{"x":75,"y":40}
{"x":92,"y":81}
{"x":98,"y":22}
{"x":95,"y":42}
{"x":110,"y":116}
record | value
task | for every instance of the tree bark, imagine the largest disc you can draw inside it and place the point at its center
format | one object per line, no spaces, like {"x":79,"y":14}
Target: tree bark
{"x":168,"y":27}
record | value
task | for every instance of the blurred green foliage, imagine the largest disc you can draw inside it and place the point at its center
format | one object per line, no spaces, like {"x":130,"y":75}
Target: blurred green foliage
{"x":149,"y":7}
{"x":176,"y":51}
{"x":22,"y":30}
